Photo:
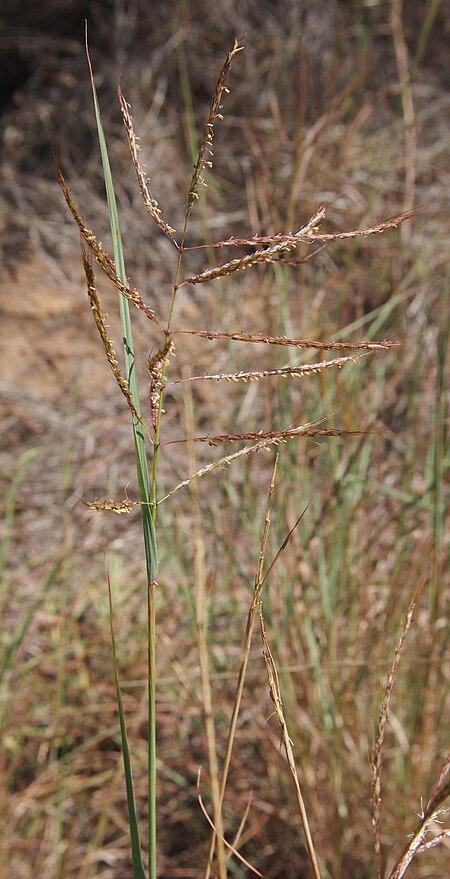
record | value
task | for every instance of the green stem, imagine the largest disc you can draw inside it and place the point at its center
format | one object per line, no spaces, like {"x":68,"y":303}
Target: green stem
{"x":151,"y":636}
{"x":147,"y":513}
{"x":156,"y":442}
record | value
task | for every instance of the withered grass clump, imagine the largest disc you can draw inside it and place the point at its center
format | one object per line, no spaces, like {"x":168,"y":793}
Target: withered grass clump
{"x":264,"y":249}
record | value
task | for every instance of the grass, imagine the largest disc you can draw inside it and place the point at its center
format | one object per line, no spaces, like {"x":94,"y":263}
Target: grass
{"x":333,"y":604}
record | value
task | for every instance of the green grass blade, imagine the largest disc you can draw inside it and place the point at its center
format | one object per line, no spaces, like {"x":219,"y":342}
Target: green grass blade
{"x":14,"y":645}
{"x":139,"y":438}
{"x":138,"y":867}
{"x":148,"y":509}
{"x":9,"y":503}
{"x":438,"y":456}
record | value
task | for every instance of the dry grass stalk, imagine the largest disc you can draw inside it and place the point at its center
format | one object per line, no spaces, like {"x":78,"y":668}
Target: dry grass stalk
{"x":245,"y":652}
{"x":433,"y":812}
{"x":232,"y":847}
{"x":202,"y":644}
{"x":410,"y":133}
{"x":432,"y":843}
{"x":377,"y":757}
{"x":275,"y":695}
{"x":443,"y":784}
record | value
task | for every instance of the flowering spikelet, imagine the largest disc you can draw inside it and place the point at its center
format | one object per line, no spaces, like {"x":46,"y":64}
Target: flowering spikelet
{"x":294,"y":343}
{"x":156,"y":365}
{"x":281,"y":244}
{"x":99,"y":318}
{"x":275,"y":436}
{"x":208,"y":132}
{"x":265,"y":441}
{"x":294,"y":371}
{"x":102,"y":257}
{"x":309,"y":233}
{"x":150,"y":202}
{"x":276,"y":244}
{"x":267,"y":254}
{"x":119,"y":507}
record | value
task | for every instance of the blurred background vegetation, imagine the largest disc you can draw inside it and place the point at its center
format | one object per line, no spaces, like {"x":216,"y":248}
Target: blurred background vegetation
{"x":330,"y":102}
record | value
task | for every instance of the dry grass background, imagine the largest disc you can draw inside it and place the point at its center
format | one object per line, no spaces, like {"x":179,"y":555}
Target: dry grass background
{"x":314,"y":114}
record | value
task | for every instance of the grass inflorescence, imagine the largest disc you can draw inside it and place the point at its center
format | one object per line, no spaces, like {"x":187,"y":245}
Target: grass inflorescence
{"x":264,"y":249}
{"x":329,"y":561}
